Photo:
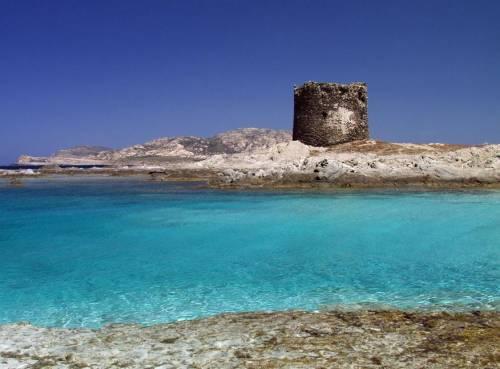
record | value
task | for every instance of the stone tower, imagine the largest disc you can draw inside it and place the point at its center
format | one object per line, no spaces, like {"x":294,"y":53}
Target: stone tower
{"x":330,"y":113}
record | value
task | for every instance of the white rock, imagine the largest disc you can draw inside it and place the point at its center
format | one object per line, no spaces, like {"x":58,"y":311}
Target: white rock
{"x":289,"y":151}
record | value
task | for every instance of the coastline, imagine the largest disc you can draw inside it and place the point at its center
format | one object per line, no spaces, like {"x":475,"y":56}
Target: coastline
{"x":289,"y":339}
{"x":291,"y":164}
{"x":212,"y":179}
{"x":250,"y":185}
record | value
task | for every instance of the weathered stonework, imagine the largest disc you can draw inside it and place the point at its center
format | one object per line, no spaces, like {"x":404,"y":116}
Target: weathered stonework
{"x":326,"y":114}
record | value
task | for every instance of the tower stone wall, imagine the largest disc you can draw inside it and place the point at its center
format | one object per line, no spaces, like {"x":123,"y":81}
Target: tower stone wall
{"x":326,"y":114}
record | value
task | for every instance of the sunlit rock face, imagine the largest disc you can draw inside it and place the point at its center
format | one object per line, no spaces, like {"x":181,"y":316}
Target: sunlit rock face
{"x":182,"y":148}
{"x":326,"y":114}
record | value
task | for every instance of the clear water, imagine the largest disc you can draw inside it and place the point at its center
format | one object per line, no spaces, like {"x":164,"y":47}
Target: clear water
{"x":101,"y":251}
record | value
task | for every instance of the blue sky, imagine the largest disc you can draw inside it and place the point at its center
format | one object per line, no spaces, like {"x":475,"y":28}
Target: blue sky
{"x":116,"y":73}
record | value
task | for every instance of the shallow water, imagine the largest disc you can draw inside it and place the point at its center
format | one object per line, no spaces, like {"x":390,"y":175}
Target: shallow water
{"x":95,"y":251}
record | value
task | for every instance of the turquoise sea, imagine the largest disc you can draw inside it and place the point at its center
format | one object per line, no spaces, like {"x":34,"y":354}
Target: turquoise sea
{"x":87,"y":252}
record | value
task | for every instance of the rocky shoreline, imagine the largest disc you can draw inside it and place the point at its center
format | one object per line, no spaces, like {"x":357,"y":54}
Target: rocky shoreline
{"x":266,"y":159}
{"x":215,"y":180}
{"x":291,"y":164}
{"x":295,"y":339}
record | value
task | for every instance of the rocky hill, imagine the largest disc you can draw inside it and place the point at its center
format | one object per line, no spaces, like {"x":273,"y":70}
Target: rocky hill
{"x":168,"y":149}
{"x":81,"y":151}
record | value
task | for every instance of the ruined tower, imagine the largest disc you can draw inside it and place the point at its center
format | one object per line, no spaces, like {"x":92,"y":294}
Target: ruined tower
{"x":330,"y":113}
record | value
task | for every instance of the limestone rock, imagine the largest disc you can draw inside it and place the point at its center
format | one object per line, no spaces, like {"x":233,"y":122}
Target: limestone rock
{"x":292,"y":150}
{"x":81,"y":151}
{"x":168,"y":149}
{"x":293,"y":339}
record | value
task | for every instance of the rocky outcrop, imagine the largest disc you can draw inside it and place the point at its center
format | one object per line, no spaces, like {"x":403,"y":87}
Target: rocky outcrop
{"x":326,"y":114}
{"x":168,"y":149}
{"x":237,"y":161}
{"x":74,"y":155}
{"x":362,"y":163}
{"x":82,"y":151}
{"x":363,"y":339}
